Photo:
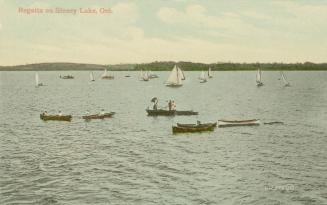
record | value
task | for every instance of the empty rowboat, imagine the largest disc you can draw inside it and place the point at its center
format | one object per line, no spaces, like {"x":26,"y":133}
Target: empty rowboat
{"x":98,"y":116}
{"x":232,"y":123}
{"x":198,"y":125}
{"x":193,"y":128}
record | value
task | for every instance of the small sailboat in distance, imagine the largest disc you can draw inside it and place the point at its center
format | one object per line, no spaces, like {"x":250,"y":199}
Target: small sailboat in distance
{"x":209,"y":73}
{"x":91,"y":76}
{"x":175,"y":78}
{"x":286,"y":83}
{"x":37,"y":83}
{"x":259,"y":80}
{"x":181,"y":73}
{"x":106,"y":76}
{"x":202,"y":77}
{"x":144,"y":76}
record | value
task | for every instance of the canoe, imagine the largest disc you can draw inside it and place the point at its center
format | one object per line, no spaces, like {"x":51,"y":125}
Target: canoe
{"x":67,"y":77}
{"x":199,"y":128}
{"x":161,"y":112}
{"x":232,"y":123}
{"x":56,"y":117}
{"x":197,"y":125}
{"x":108,"y":77}
{"x":186,"y":112}
{"x":98,"y":116}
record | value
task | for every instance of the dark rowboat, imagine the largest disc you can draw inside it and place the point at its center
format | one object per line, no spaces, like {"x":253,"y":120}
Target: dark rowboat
{"x":197,"y":128}
{"x":161,"y":112}
{"x":98,"y":116}
{"x":108,"y":77}
{"x":232,"y":123}
{"x":186,"y":112}
{"x":56,"y":117}
{"x":67,"y":77}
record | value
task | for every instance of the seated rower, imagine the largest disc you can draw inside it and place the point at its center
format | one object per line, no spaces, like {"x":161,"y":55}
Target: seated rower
{"x":60,"y":114}
{"x":102,"y":112}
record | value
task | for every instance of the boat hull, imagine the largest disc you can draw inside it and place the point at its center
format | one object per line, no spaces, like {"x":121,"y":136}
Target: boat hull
{"x":98,"y":116}
{"x":56,"y":117}
{"x":197,"y":125}
{"x":233,"y":123}
{"x":177,"y":129}
{"x":174,"y":85}
{"x":107,"y":77}
{"x":161,"y":112}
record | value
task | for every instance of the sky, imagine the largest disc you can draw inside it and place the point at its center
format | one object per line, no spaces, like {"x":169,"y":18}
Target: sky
{"x":140,"y":31}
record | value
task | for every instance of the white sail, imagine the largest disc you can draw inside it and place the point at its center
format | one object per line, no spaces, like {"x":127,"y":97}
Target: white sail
{"x":202,"y":76}
{"x":146,"y":76}
{"x":104,"y":73}
{"x":209,"y":73}
{"x":181,"y":73}
{"x":175,"y":77}
{"x":259,"y":76}
{"x":284,"y":78}
{"x":141,"y":74}
{"x":36,"y":79}
{"x":91,"y":76}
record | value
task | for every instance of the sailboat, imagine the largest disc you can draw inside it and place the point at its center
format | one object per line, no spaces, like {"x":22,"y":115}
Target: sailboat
{"x":37,"y":83}
{"x":91,"y":76}
{"x":175,"y":78}
{"x":202,"y":77}
{"x":209,"y":73}
{"x":153,"y":75}
{"x":181,"y":73}
{"x":106,"y":76}
{"x":144,"y":76}
{"x":286,"y":83}
{"x":259,"y":81}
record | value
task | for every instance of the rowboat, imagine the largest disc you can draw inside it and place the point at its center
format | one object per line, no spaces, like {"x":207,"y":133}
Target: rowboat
{"x":232,"y":123}
{"x":194,"y":128}
{"x":162,"y":112}
{"x":198,"y":125}
{"x":98,"y":116}
{"x":67,"y":77}
{"x":56,"y":117}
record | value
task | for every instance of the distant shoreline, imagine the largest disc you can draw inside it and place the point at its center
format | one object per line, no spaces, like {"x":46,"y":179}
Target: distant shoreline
{"x":167,"y":66}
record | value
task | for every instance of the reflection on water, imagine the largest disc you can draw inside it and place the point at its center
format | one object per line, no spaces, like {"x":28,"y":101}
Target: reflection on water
{"x":135,"y":159}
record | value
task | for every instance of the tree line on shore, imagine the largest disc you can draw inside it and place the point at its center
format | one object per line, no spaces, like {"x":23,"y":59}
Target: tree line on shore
{"x":168,"y":65}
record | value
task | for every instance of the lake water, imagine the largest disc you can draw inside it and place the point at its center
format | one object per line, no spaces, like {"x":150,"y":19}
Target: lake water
{"x":135,"y":159}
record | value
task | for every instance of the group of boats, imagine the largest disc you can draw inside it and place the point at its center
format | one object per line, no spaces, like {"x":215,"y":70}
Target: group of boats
{"x":178,"y":128}
{"x":175,"y":78}
{"x":260,"y":83}
{"x":147,"y":75}
{"x":199,"y":127}
{"x":59,"y":117}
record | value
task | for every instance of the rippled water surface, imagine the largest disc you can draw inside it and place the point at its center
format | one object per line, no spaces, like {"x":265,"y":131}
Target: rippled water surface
{"x":135,"y":159}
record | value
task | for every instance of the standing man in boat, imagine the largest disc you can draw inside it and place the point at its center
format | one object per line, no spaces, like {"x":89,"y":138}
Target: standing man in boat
{"x":170,"y":105}
{"x":155,"y":103}
{"x":173,"y":105}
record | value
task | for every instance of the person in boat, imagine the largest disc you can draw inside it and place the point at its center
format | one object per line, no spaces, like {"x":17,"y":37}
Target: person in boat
{"x":102,"y":112}
{"x":45,"y":113}
{"x":169,"y":105}
{"x":173,"y":105}
{"x":155,"y":105}
{"x":59,"y":113}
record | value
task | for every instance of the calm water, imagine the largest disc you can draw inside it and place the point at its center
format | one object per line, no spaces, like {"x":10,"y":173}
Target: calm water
{"x":135,"y":159}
